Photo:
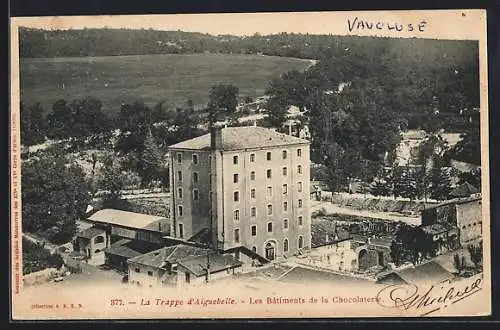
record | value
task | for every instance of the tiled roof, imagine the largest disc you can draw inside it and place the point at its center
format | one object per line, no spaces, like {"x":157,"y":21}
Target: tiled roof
{"x":324,"y":232}
{"x":131,"y":220}
{"x":91,"y":232}
{"x":454,"y":201}
{"x":435,"y":229}
{"x":381,"y":241}
{"x":301,"y":275}
{"x":171,"y":254}
{"x":130,"y":248}
{"x":430,"y":272}
{"x":217,"y":262}
{"x":238,"y":138}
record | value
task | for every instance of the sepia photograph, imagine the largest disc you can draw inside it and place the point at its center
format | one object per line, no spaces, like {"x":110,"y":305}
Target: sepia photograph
{"x":292,"y":165}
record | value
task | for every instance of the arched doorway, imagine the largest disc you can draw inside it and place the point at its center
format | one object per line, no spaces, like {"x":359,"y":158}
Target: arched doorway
{"x":270,"y":250}
{"x":363,"y":260}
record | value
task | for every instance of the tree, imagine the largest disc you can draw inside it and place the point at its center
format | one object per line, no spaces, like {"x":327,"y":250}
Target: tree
{"x":396,"y":253}
{"x":276,"y":111}
{"x":151,"y":160}
{"x":111,"y":181}
{"x":36,"y":257}
{"x":32,"y":124}
{"x":440,"y":183}
{"x":55,"y":194}
{"x":381,"y":187}
{"x":223,"y":98}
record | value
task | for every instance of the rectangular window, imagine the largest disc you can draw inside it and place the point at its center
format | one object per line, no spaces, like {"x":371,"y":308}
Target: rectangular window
{"x":179,"y":158}
{"x":285,"y":171}
{"x":299,"y":152}
{"x":252,"y":175}
{"x":236,"y":196}
{"x":195,"y":159}
{"x":210,"y":180}
{"x":181,"y":230}
{"x":179,"y":175}
{"x":299,"y":186}
{"x":269,"y":209}
{"x":268,"y":155}
{"x":137,"y":270}
{"x":299,"y":169}
{"x":236,"y":215}
{"x":254,"y":230}
{"x":253,"y":211}
{"x":150,"y":273}
{"x":195,"y":177}
{"x":285,"y":189}
{"x":300,"y":203}
{"x":252,"y":193}
{"x":300,"y":220}
{"x":284,"y":154}
{"x":236,"y":235}
{"x":179,"y":193}
{"x":252,"y":158}
{"x":209,"y":160}
{"x":180,"y":210}
{"x":235,"y":178}
{"x":196,"y":194}
{"x":269,"y":227}
{"x":269,"y":174}
{"x":235,"y":160}
{"x":269,"y":191}
{"x":285,"y":206}
{"x":285,"y":223}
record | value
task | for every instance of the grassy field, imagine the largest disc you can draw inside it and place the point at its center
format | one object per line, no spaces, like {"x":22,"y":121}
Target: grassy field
{"x":153,"y":78}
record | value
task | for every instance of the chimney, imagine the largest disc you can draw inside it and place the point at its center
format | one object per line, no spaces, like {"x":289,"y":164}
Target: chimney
{"x":215,"y":137}
{"x":327,"y":238}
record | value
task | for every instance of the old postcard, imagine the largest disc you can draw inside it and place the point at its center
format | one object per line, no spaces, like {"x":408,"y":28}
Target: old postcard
{"x":259,"y":165}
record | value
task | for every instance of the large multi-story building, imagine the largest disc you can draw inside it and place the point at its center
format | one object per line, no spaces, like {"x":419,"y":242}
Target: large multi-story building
{"x":248,"y":185}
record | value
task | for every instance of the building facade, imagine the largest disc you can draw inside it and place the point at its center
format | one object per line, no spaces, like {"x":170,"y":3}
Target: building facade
{"x":464,"y":214}
{"x":249,"y":185}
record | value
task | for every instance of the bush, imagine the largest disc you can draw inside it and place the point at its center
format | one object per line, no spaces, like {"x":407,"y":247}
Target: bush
{"x":36,"y":257}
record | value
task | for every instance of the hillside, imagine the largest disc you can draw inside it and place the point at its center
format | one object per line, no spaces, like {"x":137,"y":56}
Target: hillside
{"x":174,"y":78}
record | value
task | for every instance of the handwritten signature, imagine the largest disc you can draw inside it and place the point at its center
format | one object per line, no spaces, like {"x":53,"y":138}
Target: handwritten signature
{"x":411,"y":297}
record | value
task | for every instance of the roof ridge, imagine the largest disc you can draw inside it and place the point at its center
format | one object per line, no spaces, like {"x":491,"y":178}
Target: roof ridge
{"x":175,"y":249}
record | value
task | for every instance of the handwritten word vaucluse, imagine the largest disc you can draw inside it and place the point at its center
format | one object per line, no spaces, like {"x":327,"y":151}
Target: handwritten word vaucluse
{"x":360,"y":25}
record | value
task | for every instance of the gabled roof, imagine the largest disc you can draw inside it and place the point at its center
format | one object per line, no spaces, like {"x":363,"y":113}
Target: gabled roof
{"x":217,"y":262}
{"x":171,"y":254}
{"x":430,"y":272}
{"x":131,"y":220}
{"x":91,"y":232}
{"x":240,"y":138}
{"x":464,"y":190}
{"x":130,"y":248}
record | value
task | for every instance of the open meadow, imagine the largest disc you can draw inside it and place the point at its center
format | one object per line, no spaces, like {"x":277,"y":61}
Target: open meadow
{"x":153,"y":78}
